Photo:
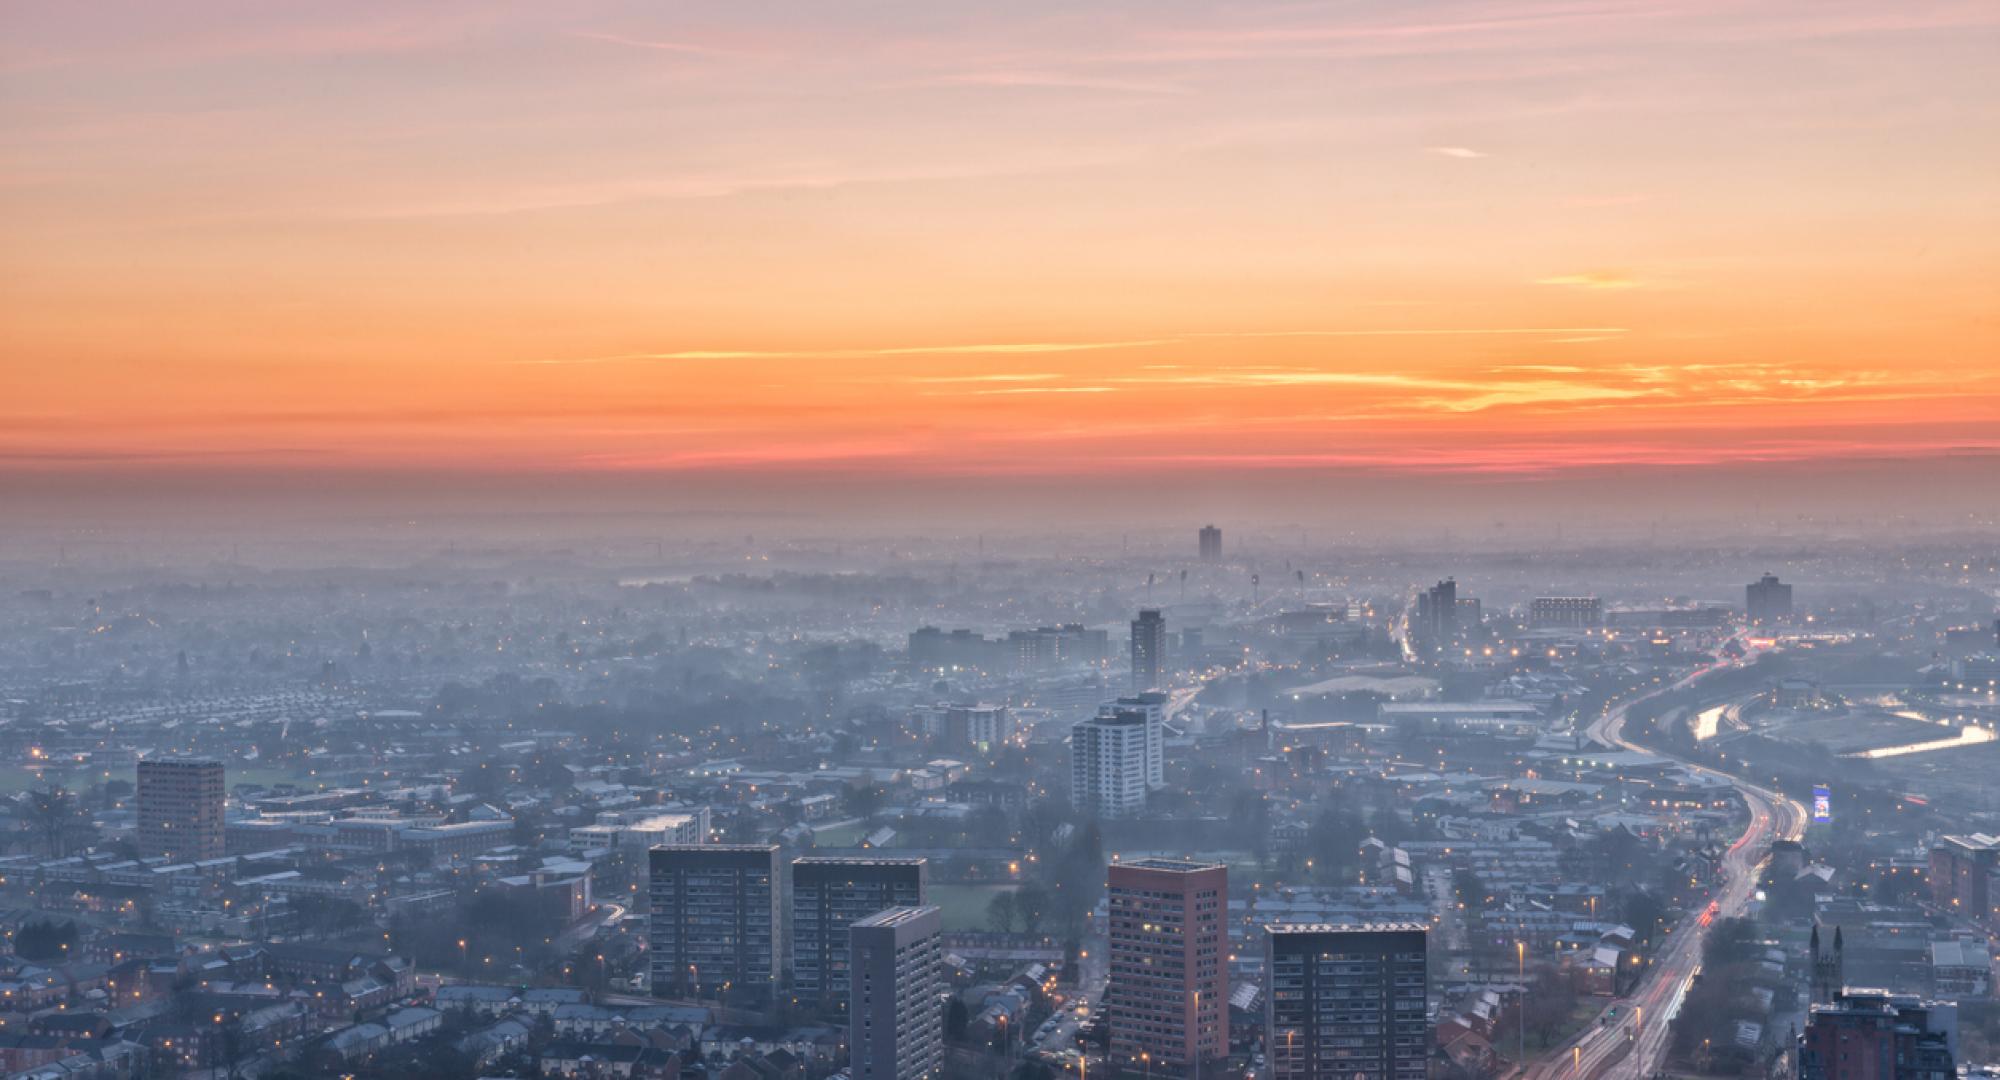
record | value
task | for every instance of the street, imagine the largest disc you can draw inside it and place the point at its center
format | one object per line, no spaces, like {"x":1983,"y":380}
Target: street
{"x":1633,"y":1043}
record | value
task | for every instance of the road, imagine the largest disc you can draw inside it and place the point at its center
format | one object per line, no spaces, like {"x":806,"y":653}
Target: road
{"x":607,"y":914}
{"x":1633,"y":1043}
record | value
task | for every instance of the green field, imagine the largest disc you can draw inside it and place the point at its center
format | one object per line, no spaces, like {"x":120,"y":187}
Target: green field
{"x":840,"y":836}
{"x":963,"y":907}
{"x":14,"y":778}
{"x":268,"y":776}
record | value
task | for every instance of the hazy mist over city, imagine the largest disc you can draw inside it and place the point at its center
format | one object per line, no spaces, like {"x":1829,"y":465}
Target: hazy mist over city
{"x":1268,"y":540}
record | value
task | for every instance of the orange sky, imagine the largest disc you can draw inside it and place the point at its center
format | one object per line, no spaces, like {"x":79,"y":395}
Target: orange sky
{"x":1039,"y":237}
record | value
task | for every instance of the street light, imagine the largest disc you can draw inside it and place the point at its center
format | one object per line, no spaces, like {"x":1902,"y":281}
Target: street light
{"x":1197,"y":1035}
{"x":1521,"y":996}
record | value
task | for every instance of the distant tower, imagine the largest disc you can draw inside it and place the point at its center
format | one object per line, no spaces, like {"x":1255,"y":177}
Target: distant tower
{"x":1829,"y":970}
{"x":1211,"y":544}
{"x":1437,"y":614}
{"x":180,"y":808}
{"x":1767,"y":600}
{"x":1149,"y":649}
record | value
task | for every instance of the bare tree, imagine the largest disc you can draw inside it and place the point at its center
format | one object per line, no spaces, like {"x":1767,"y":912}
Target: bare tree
{"x":52,"y":811}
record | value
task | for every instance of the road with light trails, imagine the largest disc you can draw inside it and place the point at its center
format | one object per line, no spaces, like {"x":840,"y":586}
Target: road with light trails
{"x":1633,"y":1043}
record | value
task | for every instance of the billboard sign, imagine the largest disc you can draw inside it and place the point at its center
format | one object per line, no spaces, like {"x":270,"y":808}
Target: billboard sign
{"x":1822,"y":803}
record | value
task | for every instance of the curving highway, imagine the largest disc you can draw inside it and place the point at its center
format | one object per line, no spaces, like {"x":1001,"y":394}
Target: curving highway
{"x":1633,"y":1043}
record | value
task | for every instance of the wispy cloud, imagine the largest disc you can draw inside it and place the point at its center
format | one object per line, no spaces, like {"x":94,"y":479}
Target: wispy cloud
{"x":1428,"y":393}
{"x":1048,"y":390}
{"x":1595,"y":201}
{"x":1055,"y":80}
{"x":1531,"y":457}
{"x":1030,"y":348}
{"x":1003,"y":349}
{"x":1434,"y":331}
{"x":685,"y":48}
{"x":1457,"y":152}
{"x":996,"y":377}
{"x":1592,"y":279}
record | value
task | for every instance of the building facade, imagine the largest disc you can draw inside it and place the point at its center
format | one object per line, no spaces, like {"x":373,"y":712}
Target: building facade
{"x":1048,"y":647}
{"x":1961,"y":874}
{"x":713,"y":930}
{"x":831,"y":894}
{"x":896,"y":995}
{"x":1566,"y":612}
{"x":1347,"y":1001}
{"x":1436,"y":624}
{"x":180,"y":809}
{"x":978,"y":727}
{"x":1108,"y":764}
{"x":1877,"y":1035}
{"x":1210,"y":544}
{"x":1153,"y":703}
{"x":1149,"y":649}
{"x":1167,"y":1004}
{"x":1767,"y":600}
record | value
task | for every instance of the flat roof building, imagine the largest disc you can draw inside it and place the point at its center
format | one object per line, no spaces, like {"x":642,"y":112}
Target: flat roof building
{"x":1109,"y":762}
{"x":1347,"y":1001}
{"x":1149,"y":649}
{"x":1210,"y":544}
{"x":1570,"y":612}
{"x":180,"y":809}
{"x":1767,"y":600}
{"x":831,"y":894}
{"x":1876,"y":1035}
{"x":713,"y":930}
{"x":896,"y":995}
{"x":1167,"y":1003}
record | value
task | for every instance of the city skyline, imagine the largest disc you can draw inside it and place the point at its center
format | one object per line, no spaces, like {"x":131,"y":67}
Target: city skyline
{"x":1120,"y":540}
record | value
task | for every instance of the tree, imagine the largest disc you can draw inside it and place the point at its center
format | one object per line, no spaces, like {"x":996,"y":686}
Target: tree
{"x":1550,"y":1007}
{"x":1728,"y":942}
{"x":1253,"y":812}
{"x":1073,"y":876}
{"x":52,"y":811}
{"x":324,"y":916}
{"x":1643,"y":912}
{"x":1031,"y":903}
{"x":1331,"y":839}
{"x":956,"y":1019}
{"x":444,"y":1060}
{"x":1001,"y":912}
{"x":229,"y":1047}
{"x":41,"y":940}
{"x":1388,"y":825}
{"x":863,"y":800}
{"x":1470,"y":888}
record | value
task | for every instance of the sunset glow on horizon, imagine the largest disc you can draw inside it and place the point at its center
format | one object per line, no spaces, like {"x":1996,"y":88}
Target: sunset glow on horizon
{"x":1463,"y":237}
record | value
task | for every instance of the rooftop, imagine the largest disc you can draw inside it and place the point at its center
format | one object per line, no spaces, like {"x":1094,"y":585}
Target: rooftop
{"x":1180,"y":866}
{"x":1386,"y":927}
{"x":896,"y":916}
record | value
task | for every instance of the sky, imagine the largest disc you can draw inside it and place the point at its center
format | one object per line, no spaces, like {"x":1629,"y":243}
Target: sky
{"x":902,"y":240}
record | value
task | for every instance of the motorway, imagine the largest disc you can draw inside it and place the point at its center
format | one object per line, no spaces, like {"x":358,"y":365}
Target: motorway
{"x":1633,"y":1043}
